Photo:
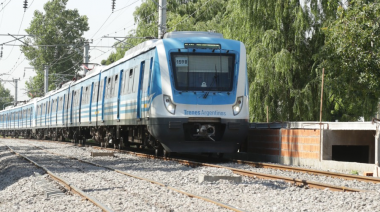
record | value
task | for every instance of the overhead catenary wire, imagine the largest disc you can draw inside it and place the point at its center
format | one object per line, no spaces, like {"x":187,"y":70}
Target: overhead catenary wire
{"x":23,"y":15}
{"x":189,"y":15}
{"x":5,"y":5}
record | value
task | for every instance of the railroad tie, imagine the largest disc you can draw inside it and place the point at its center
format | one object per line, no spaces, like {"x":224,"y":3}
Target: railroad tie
{"x":48,"y":189}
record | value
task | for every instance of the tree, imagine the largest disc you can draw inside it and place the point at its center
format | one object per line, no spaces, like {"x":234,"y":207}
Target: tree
{"x":5,"y":96}
{"x":282,"y":39}
{"x":57,"y":41}
{"x":352,"y":60}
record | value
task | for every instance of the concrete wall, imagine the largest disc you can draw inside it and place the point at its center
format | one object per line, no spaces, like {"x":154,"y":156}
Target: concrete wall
{"x":349,"y":138}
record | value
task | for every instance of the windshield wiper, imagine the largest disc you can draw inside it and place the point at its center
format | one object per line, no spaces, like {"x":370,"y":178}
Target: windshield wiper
{"x":215,"y":78}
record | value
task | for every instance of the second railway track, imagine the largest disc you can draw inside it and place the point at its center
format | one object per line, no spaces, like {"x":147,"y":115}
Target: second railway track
{"x":250,"y":195}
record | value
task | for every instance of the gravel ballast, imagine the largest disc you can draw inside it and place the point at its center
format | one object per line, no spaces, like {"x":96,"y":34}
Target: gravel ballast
{"x":250,"y":195}
{"x":19,"y":193}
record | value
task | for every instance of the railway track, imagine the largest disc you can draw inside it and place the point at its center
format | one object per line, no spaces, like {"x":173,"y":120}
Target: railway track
{"x":309,"y":171}
{"x":294,"y":181}
{"x":68,"y":186}
{"x":102,"y":206}
{"x":297,"y":182}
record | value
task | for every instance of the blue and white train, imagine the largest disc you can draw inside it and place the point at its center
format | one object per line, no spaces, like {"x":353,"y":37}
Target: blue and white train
{"x":187,"y":92}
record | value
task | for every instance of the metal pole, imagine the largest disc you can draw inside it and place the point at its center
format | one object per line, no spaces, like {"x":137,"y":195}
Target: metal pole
{"x":15,"y":100}
{"x":86,"y":59}
{"x":320,"y":118}
{"x":320,"y":111}
{"x":161,"y":18}
{"x":46,"y":87}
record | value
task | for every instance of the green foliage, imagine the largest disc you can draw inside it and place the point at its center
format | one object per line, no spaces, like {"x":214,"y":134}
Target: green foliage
{"x":352,"y":60}
{"x":207,"y":15}
{"x":288,"y":45}
{"x":57,"y":25}
{"x":5,"y":96}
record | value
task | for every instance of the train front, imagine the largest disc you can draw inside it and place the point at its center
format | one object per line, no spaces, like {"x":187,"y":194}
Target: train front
{"x":203,"y":107}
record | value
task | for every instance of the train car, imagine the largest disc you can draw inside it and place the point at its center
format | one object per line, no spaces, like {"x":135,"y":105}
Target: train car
{"x":187,"y":92}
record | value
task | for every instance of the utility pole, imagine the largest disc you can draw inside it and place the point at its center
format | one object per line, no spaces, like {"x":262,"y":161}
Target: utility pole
{"x":46,"y":85}
{"x":161,"y":18}
{"x":86,"y":56}
{"x":15,"y":81}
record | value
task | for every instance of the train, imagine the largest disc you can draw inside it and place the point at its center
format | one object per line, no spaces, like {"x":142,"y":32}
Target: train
{"x":187,"y":92}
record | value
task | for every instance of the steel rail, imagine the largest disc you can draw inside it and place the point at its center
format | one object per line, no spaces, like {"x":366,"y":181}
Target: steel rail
{"x":149,"y":180}
{"x":297,"y":182}
{"x":309,"y":171}
{"x":69,"y":186}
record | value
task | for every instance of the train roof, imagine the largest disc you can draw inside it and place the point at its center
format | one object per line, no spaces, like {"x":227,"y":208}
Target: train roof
{"x":135,"y":51}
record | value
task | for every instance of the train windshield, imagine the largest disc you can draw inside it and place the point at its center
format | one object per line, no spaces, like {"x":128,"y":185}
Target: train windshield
{"x":203,"y":72}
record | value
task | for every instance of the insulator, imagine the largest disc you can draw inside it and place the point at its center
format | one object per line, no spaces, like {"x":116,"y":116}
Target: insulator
{"x":25,"y":5}
{"x":113,"y":5}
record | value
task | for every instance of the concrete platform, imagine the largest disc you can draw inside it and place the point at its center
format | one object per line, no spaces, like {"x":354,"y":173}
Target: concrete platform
{"x":339,"y":146}
{"x":213,"y":178}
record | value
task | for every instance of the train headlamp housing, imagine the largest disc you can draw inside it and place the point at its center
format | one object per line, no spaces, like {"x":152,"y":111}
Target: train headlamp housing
{"x":169,"y":105}
{"x":236,"y":108}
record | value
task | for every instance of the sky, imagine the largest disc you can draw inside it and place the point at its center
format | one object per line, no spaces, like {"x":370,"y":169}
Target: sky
{"x":101,"y":20}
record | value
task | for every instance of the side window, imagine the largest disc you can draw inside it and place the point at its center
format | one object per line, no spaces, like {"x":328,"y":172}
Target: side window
{"x":130,"y":80}
{"x":101,"y":89}
{"x":43,"y":109}
{"x":136,"y":79}
{"x":109,"y":87}
{"x":115,"y":86}
{"x":94,"y":92}
{"x":125,"y":82}
{"x":52,"y":106}
{"x":146,"y":76}
{"x":48,"y":107}
{"x":75,"y":99}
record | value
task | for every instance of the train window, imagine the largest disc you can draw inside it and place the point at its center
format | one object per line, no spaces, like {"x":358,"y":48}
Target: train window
{"x":94,"y":90}
{"x":101,"y":90}
{"x":146,"y":77}
{"x":115,"y":86}
{"x":75,"y":98}
{"x":109,"y":87}
{"x":130,"y":81}
{"x":197,"y":71}
{"x":48,"y":107}
{"x":136,"y":79}
{"x":125,"y":82}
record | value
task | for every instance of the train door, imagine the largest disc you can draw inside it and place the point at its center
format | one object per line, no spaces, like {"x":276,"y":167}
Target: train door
{"x":90,"y":103}
{"x":140,"y":90}
{"x":56,"y":111}
{"x":145,"y":96}
{"x":80,"y":104}
{"x":103,"y":95}
{"x":71,"y":107}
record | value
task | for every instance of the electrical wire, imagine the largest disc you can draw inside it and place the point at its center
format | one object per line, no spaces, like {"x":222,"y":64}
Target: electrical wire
{"x":189,"y":15}
{"x":5,"y":5}
{"x":23,"y":15}
{"x":102,"y":25}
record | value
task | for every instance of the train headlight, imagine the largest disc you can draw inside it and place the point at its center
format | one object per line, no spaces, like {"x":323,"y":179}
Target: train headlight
{"x":236,"y":108}
{"x":169,"y":105}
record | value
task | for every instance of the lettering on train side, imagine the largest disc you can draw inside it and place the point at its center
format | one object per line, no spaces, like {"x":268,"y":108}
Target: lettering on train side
{"x":204,"y":113}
